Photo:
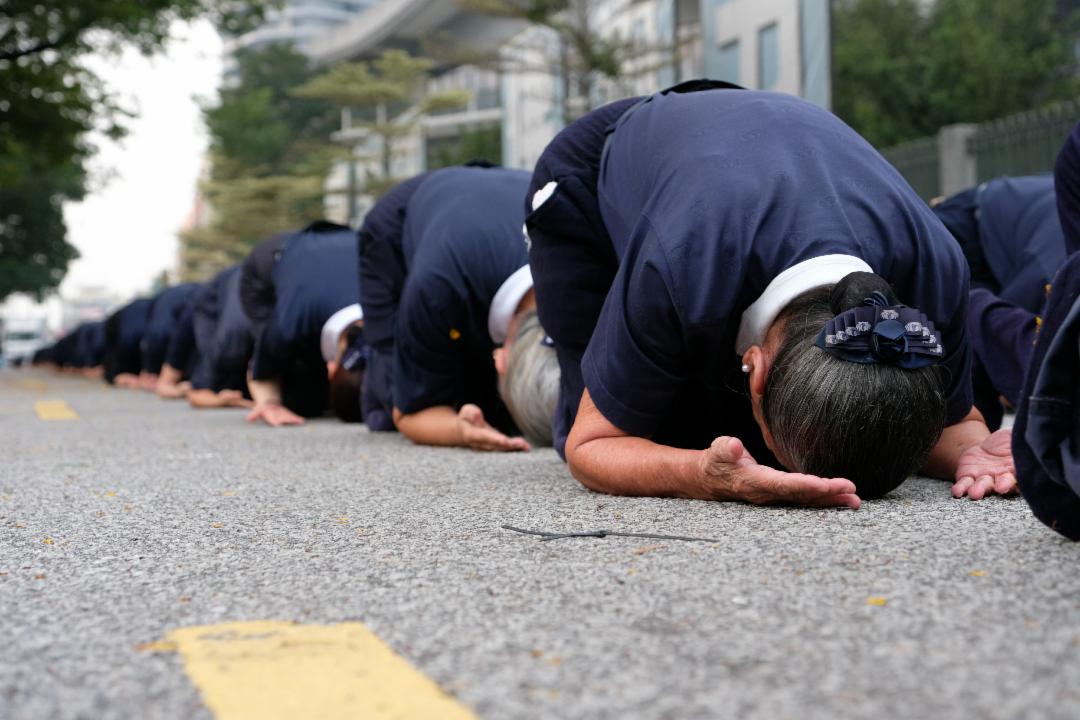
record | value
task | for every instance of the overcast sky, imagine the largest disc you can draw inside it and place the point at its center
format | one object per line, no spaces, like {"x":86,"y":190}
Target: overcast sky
{"x":144,"y":186}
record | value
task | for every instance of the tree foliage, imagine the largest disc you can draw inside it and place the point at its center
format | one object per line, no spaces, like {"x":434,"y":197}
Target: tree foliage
{"x":51,"y":104}
{"x":903,"y":69}
{"x":269,"y":156}
{"x":386,"y":97}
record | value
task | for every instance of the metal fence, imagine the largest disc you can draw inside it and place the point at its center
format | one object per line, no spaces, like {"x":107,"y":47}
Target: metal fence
{"x":919,"y":162}
{"x":1022,"y":144}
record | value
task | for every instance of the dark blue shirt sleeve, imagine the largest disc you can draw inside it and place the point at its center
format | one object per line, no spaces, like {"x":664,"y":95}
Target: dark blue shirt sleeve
{"x":182,"y":338}
{"x":429,"y":348}
{"x":1002,"y":337}
{"x":382,"y":262}
{"x":635,"y":364}
{"x":272,"y":352}
{"x":1067,"y":186}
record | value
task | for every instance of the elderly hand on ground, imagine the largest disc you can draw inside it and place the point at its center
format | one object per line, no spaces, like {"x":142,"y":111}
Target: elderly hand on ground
{"x":477,"y":434}
{"x":987,"y":468}
{"x":274,"y":415}
{"x":730,"y":473}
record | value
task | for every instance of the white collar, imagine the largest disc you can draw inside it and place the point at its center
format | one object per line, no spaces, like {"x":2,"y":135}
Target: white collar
{"x":332,"y":329}
{"x":788,"y":285}
{"x":506,"y":301}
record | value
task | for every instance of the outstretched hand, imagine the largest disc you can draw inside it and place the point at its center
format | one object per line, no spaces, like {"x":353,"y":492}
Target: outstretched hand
{"x":274,"y":415}
{"x":729,"y":472}
{"x":479,"y":435}
{"x":987,"y":468}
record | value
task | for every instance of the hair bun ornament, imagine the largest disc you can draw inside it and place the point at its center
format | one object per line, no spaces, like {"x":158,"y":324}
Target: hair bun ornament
{"x":878,"y":332}
{"x":357,"y":355}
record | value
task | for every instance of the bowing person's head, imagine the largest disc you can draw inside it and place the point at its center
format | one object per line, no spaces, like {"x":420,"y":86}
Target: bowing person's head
{"x":346,"y":373}
{"x":847,"y":385}
{"x":529,"y":374}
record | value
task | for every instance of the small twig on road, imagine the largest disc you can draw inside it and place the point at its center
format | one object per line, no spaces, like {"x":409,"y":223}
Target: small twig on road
{"x":544,"y":536}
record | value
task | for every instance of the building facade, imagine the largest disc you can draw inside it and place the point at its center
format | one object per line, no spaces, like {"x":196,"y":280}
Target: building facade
{"x":523,"y":99}
{"x":299,"y":22}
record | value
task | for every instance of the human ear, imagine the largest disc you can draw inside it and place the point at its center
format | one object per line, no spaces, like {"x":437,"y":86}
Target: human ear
{"x":757,"y":368}
{"x":500,"y":357}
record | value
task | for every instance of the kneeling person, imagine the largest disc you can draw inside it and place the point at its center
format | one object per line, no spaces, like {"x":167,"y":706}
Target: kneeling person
{"x":678,"y":237}
{"x":299,"y":294}
{"x":467,"y":362}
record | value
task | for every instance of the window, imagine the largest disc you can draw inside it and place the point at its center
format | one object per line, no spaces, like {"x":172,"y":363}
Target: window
{"x":728,"y":62}
{"x":768,"y":57}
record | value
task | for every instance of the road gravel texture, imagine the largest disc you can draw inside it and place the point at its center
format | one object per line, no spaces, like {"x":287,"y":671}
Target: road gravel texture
{"x":143,"y":516}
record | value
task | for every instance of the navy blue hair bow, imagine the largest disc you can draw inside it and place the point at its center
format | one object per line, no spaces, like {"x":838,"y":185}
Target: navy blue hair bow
{"x":358,"y":353}
{"x":878,"y":332}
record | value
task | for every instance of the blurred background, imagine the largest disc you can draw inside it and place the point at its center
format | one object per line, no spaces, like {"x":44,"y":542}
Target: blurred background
{"x":147,"y":142}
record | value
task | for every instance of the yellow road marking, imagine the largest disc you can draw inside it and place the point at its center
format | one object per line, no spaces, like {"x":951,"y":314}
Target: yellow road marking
{"x":30,"y":384}
{"x":275,"y":669}
{"x":54,"y":410}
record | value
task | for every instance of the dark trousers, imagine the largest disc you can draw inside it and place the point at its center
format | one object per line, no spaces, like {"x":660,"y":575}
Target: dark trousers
{"x":571,"y":255}
{"x":1002,"y":339}
{"x":1046,"y":435}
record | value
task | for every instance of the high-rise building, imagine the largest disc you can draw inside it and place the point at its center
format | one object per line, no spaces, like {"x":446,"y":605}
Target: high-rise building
{"x":522,"y":100}
{"x":296,"y":22}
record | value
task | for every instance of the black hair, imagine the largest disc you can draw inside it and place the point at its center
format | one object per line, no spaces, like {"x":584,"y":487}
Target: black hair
{"x":872,"y":424}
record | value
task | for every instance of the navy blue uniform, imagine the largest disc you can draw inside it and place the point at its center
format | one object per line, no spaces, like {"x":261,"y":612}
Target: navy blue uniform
{"x":1067,"y":187}
{"x":382,"y":278}
{"x":1009,"y":231}
{"x":312,"y":275}
{"x":1046,"y":435}
{"x":222,"y":338}
{"x":164,"y":320}
{"x":62,"y":353}
{"x":705,"y":198}
{"x":123,"y":337}
{"x":1011,"y":236}
{"x":382,"y":263}
{"x":89,"y":345}
{"x":460,"y":240}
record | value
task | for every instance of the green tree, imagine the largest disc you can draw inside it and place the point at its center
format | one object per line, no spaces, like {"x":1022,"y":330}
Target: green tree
{"x":268,"y":155}
{"x":388,"y":98}
{"x":50,"y":104}
{"x":247,"y":210}
{"x":902,"y":68}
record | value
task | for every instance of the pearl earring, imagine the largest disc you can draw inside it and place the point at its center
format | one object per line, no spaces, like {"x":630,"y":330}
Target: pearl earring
{"x":746,"y":368}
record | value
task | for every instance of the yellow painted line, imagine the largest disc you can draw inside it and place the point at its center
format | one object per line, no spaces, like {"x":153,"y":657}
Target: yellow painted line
{"x":30,"y":384}
{"x":54,"y":410}
{"x":274,"y":670}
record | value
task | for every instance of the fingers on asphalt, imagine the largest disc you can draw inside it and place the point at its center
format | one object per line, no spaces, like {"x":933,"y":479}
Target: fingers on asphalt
{"x":960,"y":488}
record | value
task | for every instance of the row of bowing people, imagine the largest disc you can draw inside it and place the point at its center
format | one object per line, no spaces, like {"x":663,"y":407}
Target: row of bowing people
{"x":708,"y":292}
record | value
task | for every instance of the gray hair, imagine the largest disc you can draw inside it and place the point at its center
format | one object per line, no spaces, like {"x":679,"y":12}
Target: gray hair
{"x":872,"y":424}
{"x":530,"y":387}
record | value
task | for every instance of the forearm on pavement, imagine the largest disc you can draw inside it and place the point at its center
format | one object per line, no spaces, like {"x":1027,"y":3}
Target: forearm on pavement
{"x":169,"y":376}
{"x":204,"y":398}
{"x":604,"y":458}
{"x":954,"y":441}
{"x":265,"y":392}
{"x":438,"y":425}
{"x":635,"y":466}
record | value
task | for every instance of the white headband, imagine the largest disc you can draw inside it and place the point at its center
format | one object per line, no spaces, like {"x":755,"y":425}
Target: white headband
{"x":788,"y":285}
{"x":332,"y":329}
{"x":505,"y":303}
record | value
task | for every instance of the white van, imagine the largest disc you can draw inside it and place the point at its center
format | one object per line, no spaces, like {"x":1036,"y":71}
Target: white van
{"x":21,"y":339}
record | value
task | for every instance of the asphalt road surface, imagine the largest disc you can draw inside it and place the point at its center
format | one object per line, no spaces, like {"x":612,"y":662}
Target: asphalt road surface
{"x":136,"y":517}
